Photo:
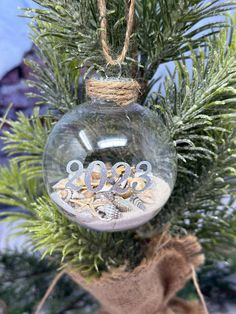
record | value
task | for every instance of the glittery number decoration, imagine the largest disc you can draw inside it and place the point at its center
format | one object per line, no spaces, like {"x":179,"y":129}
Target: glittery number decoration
{"x":103,"y":178}
{"x":144,"y":175}
{"x":77,"y":174}
{"x":127,"y":172}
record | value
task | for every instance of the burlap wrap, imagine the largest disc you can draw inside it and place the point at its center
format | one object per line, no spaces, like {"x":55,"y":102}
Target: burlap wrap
{"x":150,"y":288}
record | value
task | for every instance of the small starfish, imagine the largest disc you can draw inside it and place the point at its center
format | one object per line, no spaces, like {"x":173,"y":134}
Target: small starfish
{"x":89,"y":204}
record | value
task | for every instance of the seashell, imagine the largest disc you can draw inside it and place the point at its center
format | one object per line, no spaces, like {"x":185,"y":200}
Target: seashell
{"x":137,"y":202}
{"x":111,"y":181}
{"x":126,"y":194}
{"x":96,"y":175}
{"x":101,"y":202}
{"x":79,"y":208}
{"x":107,"y":187}
{"x":104,"y":197}
{"x":99,"y":196}
{"x":77,"y":195}
{"x":95,"y":183}
{"x":108,"y":212}
{"x":78,"y":181}
{"x":65,"y":195}
{"x":133,"y":169}
{"x":146,"y":196}
{"x":108,"y":195}
{"x":109,"y":173}
{"x":129,"y":191}
{"x":138,"y":183}
{"x":120,"y":170}
{"x":88,"y":194}
{"x":82,"y":202}
{"x":60,"y":185}
{"x":123,"y":184}
{"x":122,"y":204}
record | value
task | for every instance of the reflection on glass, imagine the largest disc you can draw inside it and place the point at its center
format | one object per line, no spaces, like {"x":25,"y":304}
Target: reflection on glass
{"x":113,"y":142}
{"x":85,"y":140}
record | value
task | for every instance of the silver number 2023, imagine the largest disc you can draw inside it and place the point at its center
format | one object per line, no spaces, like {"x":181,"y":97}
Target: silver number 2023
{"x":145,"y":174}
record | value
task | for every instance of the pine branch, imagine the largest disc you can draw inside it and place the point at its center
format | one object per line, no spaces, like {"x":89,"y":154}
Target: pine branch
{"x":200,"y":113}
{"x":16,"y":189}
{"x":26,"y":141}
{"x":198,"y":110}
{"x":209,"y":210}
{"x":55,"y":79}
{"x":21,"y":186}
{"x":53,"y":234}
{"x":164,"y":29}
{"x":167,"y":28}
{"x":91,"y":252}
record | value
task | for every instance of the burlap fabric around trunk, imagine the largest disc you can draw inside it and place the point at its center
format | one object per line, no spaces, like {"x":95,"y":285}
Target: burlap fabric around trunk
{"x":150,"y":288}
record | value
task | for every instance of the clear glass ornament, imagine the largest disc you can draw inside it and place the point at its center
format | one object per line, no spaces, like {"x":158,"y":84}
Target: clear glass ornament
{"x":110,"y":167}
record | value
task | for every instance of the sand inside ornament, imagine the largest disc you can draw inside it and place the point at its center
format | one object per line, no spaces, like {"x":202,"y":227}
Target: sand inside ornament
{"x":107,"y":210}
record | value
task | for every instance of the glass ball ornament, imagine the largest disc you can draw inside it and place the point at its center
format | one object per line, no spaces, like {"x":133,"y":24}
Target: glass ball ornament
{"x":109,"y":167}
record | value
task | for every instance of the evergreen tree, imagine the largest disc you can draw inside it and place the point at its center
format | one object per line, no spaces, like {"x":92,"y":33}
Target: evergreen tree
{"x":196,"y":105}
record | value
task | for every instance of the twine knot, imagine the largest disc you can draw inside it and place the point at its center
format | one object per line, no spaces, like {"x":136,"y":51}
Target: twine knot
{"x":123,"y":92}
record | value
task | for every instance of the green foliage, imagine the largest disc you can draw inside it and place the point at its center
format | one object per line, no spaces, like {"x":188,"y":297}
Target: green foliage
{"x":90,"y":251}
{"x":26,"y":140}
{"x":67,"y":35}
{"x":197,"y":107}
{"x":200,"y":113}
{"x":209,"y":206}
{"x":163,"y":31}
{"x":16,"y":189}
{"x":21,"y":186}
{"x":166,"y":29}
{"x":24,"y":280}
{"x":58,"y":91}
{"x":199,"y":110}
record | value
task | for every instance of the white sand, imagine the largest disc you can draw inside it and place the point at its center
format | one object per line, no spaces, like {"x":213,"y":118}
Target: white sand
{"x":160,"y":193}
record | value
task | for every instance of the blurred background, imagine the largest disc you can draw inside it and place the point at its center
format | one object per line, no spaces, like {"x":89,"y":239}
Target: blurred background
{"x":17,"y":265}
{"x":15,"y":44}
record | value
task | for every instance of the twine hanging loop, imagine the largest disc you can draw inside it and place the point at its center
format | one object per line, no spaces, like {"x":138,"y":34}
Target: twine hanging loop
{"x":120,"y":91}
{"x":104,"y":36}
